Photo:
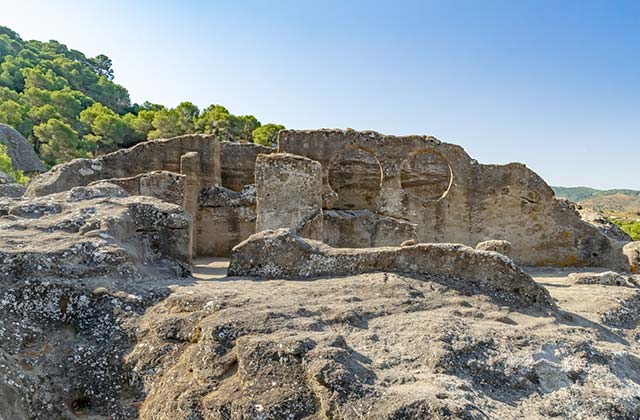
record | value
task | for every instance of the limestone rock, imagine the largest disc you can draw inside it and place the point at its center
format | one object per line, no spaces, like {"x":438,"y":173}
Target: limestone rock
{"x":632,"y":252}
{"x":22,"y":155}
{"x":237,"y":163}
{"x":289,"y":191}
{"x":12,"y":190}
{"x":165,"y":185}
{"x":598,"y":220}
{"x":282,"y":254}
{"x":608,"y":278}
{"x":495,"y":245}
{"x":364,"y":228}
{"x":225,"y":218}
{"x":91,"y":232}
{"x":154,"y":155}
{"x":450,"y":197}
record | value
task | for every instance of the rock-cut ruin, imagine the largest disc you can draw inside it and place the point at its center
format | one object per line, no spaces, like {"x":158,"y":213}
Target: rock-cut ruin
{"x":369,"y":276}
{"x":351,"y":189}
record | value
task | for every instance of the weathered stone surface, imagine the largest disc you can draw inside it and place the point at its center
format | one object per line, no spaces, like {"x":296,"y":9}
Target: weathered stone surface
{"x":373,"y":346}
{"x":363,"y":228}
{"x":603,"y":224}
{"x":632,"y":252}
{"x":237,"y":162}
{"x":608,"y":278}
{"x":282,"y":254}
{"x":9,"y":187}
{"x":451,"y":197}
{"x":167,"y":186}
{"x":225,"y":218}
{"x":144,"y":157}
{"x":22,"y":155}
{"x":12,"y":190}
{"x":495,"y":245}
{"x":289,"y":191}
{"x":90,"y":232}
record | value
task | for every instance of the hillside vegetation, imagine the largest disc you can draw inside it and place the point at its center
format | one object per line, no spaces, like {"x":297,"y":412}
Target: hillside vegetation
{"x":68,"y":105}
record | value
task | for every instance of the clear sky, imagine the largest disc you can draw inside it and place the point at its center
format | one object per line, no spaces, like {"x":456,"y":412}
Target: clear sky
{"x":554,"y":84}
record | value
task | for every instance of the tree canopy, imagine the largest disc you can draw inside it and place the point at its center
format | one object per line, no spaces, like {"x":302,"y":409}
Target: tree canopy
{"x":68,"y":105}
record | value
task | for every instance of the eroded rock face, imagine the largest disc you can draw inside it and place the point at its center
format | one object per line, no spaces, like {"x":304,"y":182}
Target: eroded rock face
{"x":283,"y":254}
{"x":598,"y":220}
{"x":608,"y":278}
{"x":22,"y":155}
{"x":165,"y":185}
{"x":62,"y":347}
{"x":9,"y":187}
{"x":375,"y":346}
{"x":155,"y":155}
{"x":363,"y":228}
{"x":450,"y":197}
{"x":288,"y":191}
{"x":495,"y":245}
{"x":92,"y":232}
{"x":632,"y":252}
{"x":225,"y":218}
{"x":237,"y":163}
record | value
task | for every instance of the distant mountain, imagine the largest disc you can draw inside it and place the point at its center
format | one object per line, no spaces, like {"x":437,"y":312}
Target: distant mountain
{"x":612,"y":202}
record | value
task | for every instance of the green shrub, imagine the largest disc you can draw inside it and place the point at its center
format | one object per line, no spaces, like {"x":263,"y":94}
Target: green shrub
{"x":631,"y":227}
{"x":6,"y":167}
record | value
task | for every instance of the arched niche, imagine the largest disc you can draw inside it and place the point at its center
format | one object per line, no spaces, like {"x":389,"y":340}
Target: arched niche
{"x":426,"y":175}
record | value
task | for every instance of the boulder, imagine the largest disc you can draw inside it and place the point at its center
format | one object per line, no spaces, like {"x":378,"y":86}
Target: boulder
{"x":12,"y":190}
{"x":9,"y":188}
{"x":22,"y":155}
{"x":608,"y":278}
{"x":495,"y":245}
{"x":283,"y":254}
{"x":632,"y":252}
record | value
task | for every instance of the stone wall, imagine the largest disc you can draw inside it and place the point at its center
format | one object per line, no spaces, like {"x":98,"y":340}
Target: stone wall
{"x":167,"y":186}
{"x":449,"y":196}
{"x":288,"y":190}
{"x":154,"y":155}
{"x":237,"y":162}
{"x":225,"y":218}
{"x":197,"y":163}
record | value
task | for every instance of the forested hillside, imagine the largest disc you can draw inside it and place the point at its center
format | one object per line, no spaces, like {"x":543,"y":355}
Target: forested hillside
{"x":68,"y":105}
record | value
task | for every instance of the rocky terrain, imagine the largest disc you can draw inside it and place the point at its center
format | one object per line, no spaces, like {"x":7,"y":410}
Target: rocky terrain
{"x":115,"y":303}
{"x":371,"y":346}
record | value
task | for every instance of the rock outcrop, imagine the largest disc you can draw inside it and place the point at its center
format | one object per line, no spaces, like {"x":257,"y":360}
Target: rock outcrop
{"x":9,"y":187}
{"x":632,"y":252}
{"x":376,"y":346}
{"x":93,"y":231}
{"x":164,"y":185}
{"x":283,"y":254}
{"x":608,"y":278}
{"x":22,"y":155}
{"x":449,"y":197}
{"x":495,"y":245}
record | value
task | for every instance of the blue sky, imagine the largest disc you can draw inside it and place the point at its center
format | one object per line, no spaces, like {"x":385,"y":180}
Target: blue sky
{"x":553,"y":84}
